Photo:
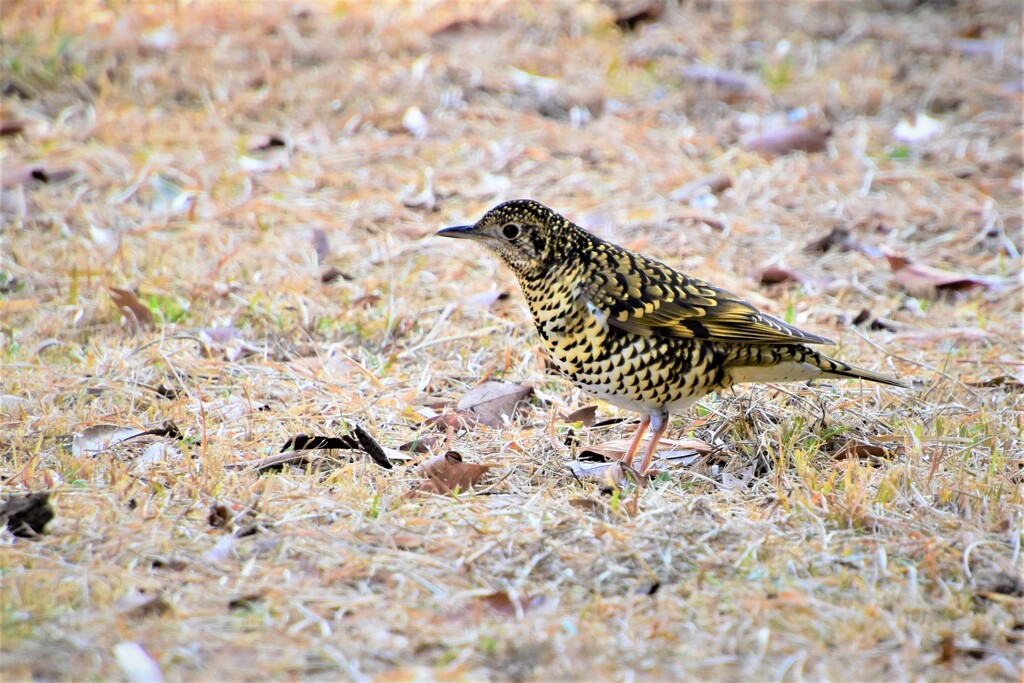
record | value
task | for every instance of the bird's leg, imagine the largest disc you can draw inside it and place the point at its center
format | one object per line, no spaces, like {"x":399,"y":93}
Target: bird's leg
{"x":631,"y":453}
{"x":659,"y":422}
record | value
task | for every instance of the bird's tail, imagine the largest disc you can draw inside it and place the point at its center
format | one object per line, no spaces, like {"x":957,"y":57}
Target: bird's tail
{"x":796,"y":363}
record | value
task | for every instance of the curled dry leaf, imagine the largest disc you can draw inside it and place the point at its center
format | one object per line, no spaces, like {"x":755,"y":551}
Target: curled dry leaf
{"x":12,"y":127}
{"x":331,"y":274}
{"x":494,"y":401}
{"x":421,"y":444}
{"x":133,"y":310}
{"x":775,"y":275}
{"x":863,"y":451}
{"x":630,"y":14}
{"x":609,"y":475}
{"x":795,"y":138}
{"x":447,"y":473}
{"x":919,"y":278}
{"x":586,"y":416}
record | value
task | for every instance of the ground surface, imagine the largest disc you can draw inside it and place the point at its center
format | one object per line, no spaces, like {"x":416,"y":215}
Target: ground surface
{"x":256,"y":180}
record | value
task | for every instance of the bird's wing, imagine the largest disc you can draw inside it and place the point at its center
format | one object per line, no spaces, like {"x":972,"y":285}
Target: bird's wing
{"x":646,"y":297}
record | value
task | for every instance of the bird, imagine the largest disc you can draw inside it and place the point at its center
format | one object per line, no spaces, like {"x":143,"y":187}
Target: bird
{"x":635,"y":332}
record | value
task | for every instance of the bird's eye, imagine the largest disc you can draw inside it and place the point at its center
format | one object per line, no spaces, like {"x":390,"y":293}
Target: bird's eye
{"x":510,"y":231}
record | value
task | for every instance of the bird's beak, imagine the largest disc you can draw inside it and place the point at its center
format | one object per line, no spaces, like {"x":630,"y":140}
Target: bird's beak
{"x":458,"y":231}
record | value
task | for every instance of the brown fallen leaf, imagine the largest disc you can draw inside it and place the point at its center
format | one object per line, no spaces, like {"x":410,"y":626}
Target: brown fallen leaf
{"x":421,"y":444}
{"x":503,"y":604}
{"x":494,"y":400}
{"x":26,"y":514}
{"x":775,"y":275}
{"x":795,"y":138}
{"x":141,"y":606}
{"x":331,"y":274}
{"x":133,"y":310}
{"x":263,"y":141}
{"x":447,"y":473}
{"x":630,"y":14}
{"x":460,"y":420}
{"x":12,"y":127}
{"x":837,"y":238}
{"x":1004,"y":381}
{"x":586,"y":416}
{"x":247,"y":603}
{"x":919,"y":278}
{"x":862,"y":451}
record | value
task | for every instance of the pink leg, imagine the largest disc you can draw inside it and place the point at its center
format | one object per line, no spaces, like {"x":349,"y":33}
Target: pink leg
{"x":631,"y":453}
{"x":659,"y":421}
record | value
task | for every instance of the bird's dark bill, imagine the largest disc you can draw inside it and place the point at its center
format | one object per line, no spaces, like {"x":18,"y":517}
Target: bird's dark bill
{"x":458,"y":231}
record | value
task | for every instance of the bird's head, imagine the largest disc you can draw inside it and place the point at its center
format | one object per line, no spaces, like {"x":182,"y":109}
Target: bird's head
{"x":528,"y":236}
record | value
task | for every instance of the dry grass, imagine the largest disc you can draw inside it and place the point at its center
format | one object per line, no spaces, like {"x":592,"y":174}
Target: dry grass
{"x":775,"y":559}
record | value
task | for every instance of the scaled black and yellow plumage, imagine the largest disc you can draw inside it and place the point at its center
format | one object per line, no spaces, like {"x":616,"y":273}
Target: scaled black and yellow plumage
{"x":635,"y":332}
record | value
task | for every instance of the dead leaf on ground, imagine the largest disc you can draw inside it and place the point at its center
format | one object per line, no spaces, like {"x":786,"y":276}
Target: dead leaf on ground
{"x":460,"y":420}
{"x":865,"y":451}
{"x":876,"y":323}
{"x":248,"y":602}
{"x":670,"y":451}
{"x":331,"y":274}
{"x":493,"y":400}
{"x":133,"y":310}
{"x":422,"y":444}
{"x":837,"y":238}
{"x":631,"y":14}
{"x":26,"y":514}
{"x":795,"y":138}
{"x":587,"y":416}
{"x":141,"y":605}
{"x":918,"y":277}
{"x":609,"y":475}
{"x":776,"y":275}
{"x":503,"y":604}
{"x":447,"y":473}
{"x":12,"y":127}
{"x":1003,"y":381}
